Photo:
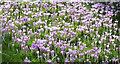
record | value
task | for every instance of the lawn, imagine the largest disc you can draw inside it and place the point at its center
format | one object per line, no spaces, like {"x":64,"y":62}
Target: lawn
{"x":60,"y":32}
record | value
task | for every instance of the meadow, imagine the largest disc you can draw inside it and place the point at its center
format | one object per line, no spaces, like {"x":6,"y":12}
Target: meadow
{"x":60,"y":32}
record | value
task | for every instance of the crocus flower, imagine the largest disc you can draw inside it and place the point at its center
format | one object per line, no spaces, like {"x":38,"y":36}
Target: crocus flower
{"x":26,"y":60}
{"x":66,"y":60}
{"x":49,"y":61}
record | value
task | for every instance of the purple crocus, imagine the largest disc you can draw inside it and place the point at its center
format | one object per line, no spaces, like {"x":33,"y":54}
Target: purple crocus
{"x":49,"y":61}
{"x":66,"y":60}
{"x":26,"y":60}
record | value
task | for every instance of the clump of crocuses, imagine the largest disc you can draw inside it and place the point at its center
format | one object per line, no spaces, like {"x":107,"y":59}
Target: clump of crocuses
{"x":70,"y":32}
